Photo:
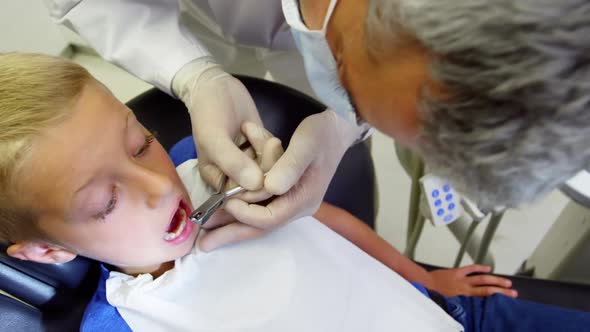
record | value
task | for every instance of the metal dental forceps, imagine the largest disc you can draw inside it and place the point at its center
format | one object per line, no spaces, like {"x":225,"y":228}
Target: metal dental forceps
{"x":206,"y":210}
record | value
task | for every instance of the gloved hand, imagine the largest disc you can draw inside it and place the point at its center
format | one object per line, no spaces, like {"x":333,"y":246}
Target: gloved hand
{"x":456,"y":282}
{"x":299,"y":178}
{"x":223,"y":228}
{"x":218,"y":104}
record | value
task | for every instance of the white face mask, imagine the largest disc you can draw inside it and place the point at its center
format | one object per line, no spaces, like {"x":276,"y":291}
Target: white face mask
{"x":320,"y":66}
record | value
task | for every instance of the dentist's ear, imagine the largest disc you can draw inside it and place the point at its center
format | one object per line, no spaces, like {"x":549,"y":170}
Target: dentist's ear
{"x":40,"y":252}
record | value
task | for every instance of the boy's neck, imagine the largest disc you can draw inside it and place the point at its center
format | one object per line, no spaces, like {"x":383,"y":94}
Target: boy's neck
{"x":155,"y":271}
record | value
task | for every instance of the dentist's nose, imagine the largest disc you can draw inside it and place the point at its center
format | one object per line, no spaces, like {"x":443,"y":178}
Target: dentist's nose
{"x":154,"y":185}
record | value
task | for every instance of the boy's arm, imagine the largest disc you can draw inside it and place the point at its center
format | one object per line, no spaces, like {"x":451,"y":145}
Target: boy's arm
{"x":357,"y":232}
{"x":449,"y":282}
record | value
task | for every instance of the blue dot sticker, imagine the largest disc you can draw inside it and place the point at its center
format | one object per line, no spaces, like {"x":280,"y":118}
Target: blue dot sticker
{"x":448,"y":217}
{"x":435,"y":193}
{"x":440,"y":212}
{"x":438,"y":202}
{"x":446,"y":188}
{"x":449,"y":197}
{"x":451,"y":206}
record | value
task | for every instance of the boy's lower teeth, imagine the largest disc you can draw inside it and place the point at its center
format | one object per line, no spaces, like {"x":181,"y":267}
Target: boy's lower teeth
{"x":172,"y":235}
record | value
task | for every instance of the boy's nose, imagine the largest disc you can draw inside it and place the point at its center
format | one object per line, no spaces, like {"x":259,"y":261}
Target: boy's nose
{"x":157,"y":186}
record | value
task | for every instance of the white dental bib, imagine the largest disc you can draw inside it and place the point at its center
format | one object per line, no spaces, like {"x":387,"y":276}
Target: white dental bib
{"x":301,"y":277}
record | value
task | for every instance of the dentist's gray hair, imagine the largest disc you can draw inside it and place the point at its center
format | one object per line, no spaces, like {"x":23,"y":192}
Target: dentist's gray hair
{"x":517,"y":121}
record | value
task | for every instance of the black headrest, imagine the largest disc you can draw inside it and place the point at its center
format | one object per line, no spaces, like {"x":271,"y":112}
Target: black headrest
{"x":281,"y":110}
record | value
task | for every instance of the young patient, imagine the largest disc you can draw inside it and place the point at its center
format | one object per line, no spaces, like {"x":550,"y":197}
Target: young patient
{"x":79,"y":175}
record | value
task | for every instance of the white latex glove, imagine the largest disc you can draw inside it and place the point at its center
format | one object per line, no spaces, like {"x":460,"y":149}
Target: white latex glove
{"x":222,"y":228}
{"x":218,"y":104}
{"x":300,"y":178}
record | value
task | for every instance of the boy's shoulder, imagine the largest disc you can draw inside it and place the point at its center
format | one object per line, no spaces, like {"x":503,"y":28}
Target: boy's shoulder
{"x":183,"y":150}
{"x":99,"y":314}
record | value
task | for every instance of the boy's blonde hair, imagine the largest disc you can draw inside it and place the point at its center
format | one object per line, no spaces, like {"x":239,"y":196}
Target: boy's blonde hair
{"x":36,"y":91}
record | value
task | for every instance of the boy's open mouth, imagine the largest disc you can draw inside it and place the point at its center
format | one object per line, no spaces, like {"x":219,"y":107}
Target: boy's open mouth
{"x":178,"y":224}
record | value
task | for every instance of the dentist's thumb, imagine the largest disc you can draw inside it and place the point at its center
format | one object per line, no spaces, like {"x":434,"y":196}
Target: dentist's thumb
{"x":287,"y":171}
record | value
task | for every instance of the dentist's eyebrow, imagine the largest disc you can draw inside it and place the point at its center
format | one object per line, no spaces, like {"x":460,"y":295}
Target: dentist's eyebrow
{"x":88,"y":182}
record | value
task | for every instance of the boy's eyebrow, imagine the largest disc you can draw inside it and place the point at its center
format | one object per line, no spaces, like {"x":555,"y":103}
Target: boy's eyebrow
{"x":87,"y":183}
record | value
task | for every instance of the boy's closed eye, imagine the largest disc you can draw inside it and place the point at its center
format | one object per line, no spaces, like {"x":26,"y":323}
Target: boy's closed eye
{"x":149,"y":138}
{"x":112,"y":203}
{"x":98,"y":197}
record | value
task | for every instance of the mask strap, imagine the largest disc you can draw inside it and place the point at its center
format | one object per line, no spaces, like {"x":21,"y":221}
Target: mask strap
{"x":293,"y":15}
{"x":294,"y":19}
{"x":329,"y":13}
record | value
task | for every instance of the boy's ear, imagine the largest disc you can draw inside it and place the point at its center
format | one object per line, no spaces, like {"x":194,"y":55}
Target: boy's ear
{"x":40,"y":252}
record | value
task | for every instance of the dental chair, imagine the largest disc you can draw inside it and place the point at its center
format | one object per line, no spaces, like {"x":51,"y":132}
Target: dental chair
{"x":55,"y":296}
{"x":564,"y":294}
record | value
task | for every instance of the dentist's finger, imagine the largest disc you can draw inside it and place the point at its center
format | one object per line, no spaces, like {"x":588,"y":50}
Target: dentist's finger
{"x":290,"y":166}
{"x":218,"y":219}
{"x":257,"y":135}
{"x":228,"y":234}
{"x":272,"y":152}
{"x":282,"y":209}
{"x":211,"y":174}
{"x":234,"y":162}
{"x":253,"y":196}
{"x":255,"y":215}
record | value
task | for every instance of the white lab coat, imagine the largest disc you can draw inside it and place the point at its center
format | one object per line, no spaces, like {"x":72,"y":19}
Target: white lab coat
{"x":153,"y":39}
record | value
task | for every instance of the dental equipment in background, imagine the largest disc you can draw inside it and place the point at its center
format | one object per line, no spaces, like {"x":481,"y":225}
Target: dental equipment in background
{"x":430,"y":196}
